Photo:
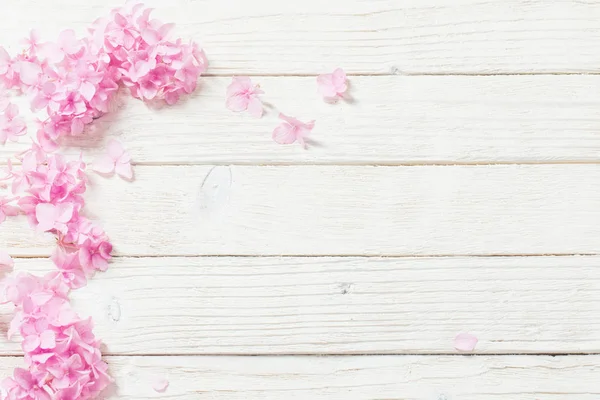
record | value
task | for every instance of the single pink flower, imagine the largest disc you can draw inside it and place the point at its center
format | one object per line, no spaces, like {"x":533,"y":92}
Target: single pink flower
{"x":465,"y":342}
{"x":32,"y":42}
{"x":332,"y":85}
{"x":52,"y":217}
{"x":242,"y":95}
{"x":6,"y":210}
{"x":116,"y":160}
{"x":160,"y":385}
{"x":292,"y":130}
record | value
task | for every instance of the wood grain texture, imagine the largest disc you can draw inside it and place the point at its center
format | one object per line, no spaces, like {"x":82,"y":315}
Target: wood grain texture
{"x":363,"y":36}
{"x":239,"y":305}
{"x":393,"y":120}
{"x":354,"y":378}
{"x":341,"y":210}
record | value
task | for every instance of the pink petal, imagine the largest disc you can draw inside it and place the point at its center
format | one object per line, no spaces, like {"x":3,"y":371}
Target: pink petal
{"x":30,"y":343}
{"x":340,"y":80}
{"x":160,"y":385}
{"x":325,"y":86}
{"x":48,"y":340}
{"x":104,"y":164}
{"x":64,"y":212}
{"x":115,"y":149}
{"x":6,"y":261}
{"x":237,"y":103}
{"x":284,"y":134}
{"x":29,"y":72}
{"x":150,"y":36}
{"x":124,"y":170}
{"x":465,"y":342}
{"x":11,"y":211}
{"x":45,"y":214}
{"x":255,"y":107}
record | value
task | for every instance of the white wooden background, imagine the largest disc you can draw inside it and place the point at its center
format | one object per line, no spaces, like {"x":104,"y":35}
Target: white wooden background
{"x":460,"y":191}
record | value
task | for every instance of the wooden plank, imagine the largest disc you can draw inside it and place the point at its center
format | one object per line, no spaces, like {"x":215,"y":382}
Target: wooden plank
{"x":341,"y":210}
{"x":427,"y":119}
{"x":355,"y":378}
{"x":322,"y":305}
{"x":365,"y":37}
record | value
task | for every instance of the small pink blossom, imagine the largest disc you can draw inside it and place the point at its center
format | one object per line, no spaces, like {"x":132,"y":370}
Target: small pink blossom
{"x":160,"y":385}
{"x":332,"y":85}
{"x":116,"y":160}
{"x":292,"y":130}
{"x":242,"y":96}
{"x":465,"y":342}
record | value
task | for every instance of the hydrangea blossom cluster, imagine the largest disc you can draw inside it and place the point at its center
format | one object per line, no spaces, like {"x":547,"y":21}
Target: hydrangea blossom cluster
{"x":72,"y":82}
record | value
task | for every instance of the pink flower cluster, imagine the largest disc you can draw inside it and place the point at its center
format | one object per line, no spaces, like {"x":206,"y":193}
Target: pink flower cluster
{"x":73,"y":81}
{"x":62,"y":355}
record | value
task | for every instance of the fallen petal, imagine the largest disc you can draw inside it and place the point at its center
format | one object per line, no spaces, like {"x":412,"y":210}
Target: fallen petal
{"x":465,"y":342}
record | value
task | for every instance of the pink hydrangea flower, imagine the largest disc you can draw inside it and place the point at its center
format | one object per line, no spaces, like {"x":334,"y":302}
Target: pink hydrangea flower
{"x":292,"y":130}
{"x":242,"y":95}
{"x":73,"y":81}
{"x":332,"y":85}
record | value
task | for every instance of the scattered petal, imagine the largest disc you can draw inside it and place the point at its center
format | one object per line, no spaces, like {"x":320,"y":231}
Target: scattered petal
{"x":465,"y":342}
{"x":160,"y":385}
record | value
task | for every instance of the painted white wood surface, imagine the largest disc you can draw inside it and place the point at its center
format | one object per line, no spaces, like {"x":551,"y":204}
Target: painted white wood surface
{"x":341,"y":210}
{"x":160,"y":315}
{"x":393,"y":120}
{"x":355,"y":378}
{"x":365,"y":36}
{"x":321,"y":305}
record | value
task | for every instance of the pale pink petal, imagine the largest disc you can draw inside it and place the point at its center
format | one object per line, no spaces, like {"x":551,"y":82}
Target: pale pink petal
{"x":237,"y":102}
{"x":255,"y":107}
{"x":115,"y":149}
{"x":45,"y":214}
{"x":284,"y":134}
{"x":6,"y":261}
{"x":124,"y":170}
{"x":150,"y":36}
{"x":160,"y":385}
{"x":64,"y":212}
{"x":47,"y":340}
{"x":29,"y":72}
{"x":325,"y":86}
{"x":30,"y":343}
{"x":87,"y":90}
{"x":104,"y":164}
{"x":340,"y":81}
{"x":465,"y":342}
{"x":11,"y":211}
